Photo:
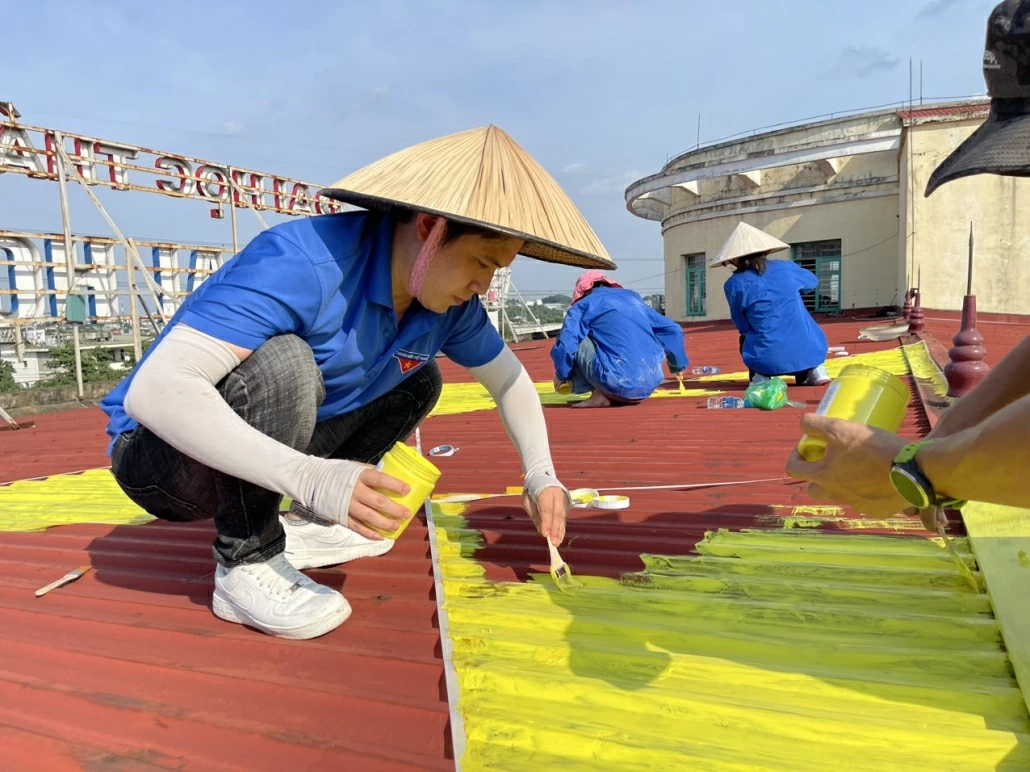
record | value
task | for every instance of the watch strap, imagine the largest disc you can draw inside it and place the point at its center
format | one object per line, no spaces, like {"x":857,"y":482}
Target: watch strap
{"x":907,"y":458}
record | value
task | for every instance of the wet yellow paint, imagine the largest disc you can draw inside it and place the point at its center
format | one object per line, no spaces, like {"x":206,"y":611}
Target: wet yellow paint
{"x":924,"y":369}
{"x":472,"y":397}
{"x":891,"y":360}
{"x":782,"y":650}
{"x":819,"y":517}
{"x":90,"y":497}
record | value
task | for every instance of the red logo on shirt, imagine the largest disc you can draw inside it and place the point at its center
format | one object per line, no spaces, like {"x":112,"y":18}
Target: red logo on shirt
{"x":409,"y":360}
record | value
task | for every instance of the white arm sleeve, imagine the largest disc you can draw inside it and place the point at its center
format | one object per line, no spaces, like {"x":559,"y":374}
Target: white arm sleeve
{"x":523,"y":417}
{"x":173,"y":395}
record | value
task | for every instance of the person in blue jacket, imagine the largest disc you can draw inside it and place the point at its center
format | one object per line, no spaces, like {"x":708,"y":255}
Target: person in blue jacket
{"x":778,"y":336}
{"x":612,"y":344}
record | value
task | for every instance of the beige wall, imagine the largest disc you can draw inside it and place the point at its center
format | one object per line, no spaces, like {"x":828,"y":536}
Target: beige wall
{"x":998,"y":207}
{"x":867,"y":228}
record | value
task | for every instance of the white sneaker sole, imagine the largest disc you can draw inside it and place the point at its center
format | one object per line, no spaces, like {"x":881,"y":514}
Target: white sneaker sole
{"x":321,"y":558}
{"x":223,"y":609}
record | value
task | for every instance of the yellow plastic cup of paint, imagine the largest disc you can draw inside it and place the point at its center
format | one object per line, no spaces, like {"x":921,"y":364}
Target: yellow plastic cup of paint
{"x":564,"y":387}
{"x":405,"y":463}
{"x":863,"y":394}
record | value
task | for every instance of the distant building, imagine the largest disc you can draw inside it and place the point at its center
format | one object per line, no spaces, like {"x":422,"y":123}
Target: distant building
{"x":847,"y":195}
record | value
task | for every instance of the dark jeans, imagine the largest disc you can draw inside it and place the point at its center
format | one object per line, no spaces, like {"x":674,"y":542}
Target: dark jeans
{"x":277,"y":390}
{"x":583,"y":379}
{"x":799,"y":377}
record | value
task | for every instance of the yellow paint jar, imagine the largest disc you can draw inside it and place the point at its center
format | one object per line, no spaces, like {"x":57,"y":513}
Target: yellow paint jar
{"x":863,"y":394}
{"x":564,"y":387}
{"x":404,"y":463}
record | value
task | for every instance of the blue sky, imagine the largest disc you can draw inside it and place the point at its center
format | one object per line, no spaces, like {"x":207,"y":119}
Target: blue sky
{"x":601,"y":93}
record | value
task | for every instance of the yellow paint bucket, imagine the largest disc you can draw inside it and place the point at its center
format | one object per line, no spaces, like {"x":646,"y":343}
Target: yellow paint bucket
{"x":404,"y":463}
{"x":863,"y":394}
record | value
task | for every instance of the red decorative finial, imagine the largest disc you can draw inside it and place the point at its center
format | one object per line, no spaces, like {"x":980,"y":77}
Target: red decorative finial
{"x":967,"y":367}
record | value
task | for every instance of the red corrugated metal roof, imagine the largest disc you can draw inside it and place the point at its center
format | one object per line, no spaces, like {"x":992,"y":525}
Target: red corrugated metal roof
{"x":975,"y":110}
{"x":128,"y":665}
{"x":59,"y":442}
{"x":1000,"y":337}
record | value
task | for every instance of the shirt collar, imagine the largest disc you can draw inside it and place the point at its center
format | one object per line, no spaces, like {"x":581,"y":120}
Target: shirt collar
{"x":380,"y":287}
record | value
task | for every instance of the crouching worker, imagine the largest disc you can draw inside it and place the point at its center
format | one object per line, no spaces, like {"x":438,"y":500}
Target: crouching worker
{"x":298,"y":364}
{"x":612,"y":344}
{"x":778,"y":336}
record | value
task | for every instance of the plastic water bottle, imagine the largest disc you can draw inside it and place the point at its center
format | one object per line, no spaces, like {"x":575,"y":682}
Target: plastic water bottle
{"x":726,"y":403}
{"x":705,"y":370}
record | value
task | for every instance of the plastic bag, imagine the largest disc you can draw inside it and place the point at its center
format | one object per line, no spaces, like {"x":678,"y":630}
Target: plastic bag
{"x":767,"y":395}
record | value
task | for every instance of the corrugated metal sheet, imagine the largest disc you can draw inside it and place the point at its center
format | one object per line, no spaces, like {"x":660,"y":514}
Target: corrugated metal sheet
{"x":711,"y":630}
{"x":128,"y":664}
{"x":720,"y":629}
{"x":59,"y":442}
{"x":974,"y":110}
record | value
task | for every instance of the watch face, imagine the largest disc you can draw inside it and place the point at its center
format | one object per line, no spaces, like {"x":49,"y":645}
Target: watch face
{"x":909,"y":488}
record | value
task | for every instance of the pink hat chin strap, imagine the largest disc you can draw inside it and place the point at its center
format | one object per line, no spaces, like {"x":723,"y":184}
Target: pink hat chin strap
{"x":425,"y":257}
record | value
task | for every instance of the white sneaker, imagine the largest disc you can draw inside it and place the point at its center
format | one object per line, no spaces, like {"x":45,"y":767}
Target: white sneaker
{"x":314,"y":545}
{"x":818,"y":377}
{"x":277,"y":599}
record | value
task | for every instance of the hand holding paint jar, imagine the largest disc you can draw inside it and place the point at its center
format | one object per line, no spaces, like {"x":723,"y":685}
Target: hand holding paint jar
{"x":865,"y":395}
{"x":404,"y":463}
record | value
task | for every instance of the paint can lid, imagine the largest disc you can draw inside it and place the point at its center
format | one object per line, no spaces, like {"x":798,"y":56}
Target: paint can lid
{"x":611,"y":502}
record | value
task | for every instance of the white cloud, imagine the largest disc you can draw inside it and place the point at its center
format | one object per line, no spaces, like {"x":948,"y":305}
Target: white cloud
{"x":614,"y":184}
{"x":577,"y":168}
{"x":232,"y":127}
{"x":863,"y":61}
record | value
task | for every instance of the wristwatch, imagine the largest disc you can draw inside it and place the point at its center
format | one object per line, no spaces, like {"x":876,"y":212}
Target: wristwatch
{"x":913,"y":485}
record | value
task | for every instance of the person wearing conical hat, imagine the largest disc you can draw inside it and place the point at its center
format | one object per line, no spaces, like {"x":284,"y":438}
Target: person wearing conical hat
{"x":978,"y":449}
{"x":777,"y":334}
{"x":612,"y":344}
{"x":298,"y":364}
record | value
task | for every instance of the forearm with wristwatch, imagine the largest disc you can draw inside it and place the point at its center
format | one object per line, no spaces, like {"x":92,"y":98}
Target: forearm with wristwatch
{"x":913,"y":485}
{"x":987,"y":462}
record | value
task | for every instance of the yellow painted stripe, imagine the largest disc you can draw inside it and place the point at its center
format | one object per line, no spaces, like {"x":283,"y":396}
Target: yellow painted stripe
{"x":923,"y":368}
{"x":472,"y":397}
{"x":891,"y":360}
{"x":90,"y":497}
{"x":860,"y":652}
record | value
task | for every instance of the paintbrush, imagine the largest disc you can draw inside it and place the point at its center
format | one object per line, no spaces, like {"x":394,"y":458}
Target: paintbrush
{"x":71,"y":576}
{"x":679,"y":377}
{"x":561,"y":573}
{"x":960,"y":564}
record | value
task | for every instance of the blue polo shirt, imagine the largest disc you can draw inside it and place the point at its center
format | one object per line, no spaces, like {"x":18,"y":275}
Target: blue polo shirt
{"x":327,"y":280}
{"x":780,"y":336}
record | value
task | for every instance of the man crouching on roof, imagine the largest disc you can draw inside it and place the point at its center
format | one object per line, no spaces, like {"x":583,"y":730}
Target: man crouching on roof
{"x":301,"y":361}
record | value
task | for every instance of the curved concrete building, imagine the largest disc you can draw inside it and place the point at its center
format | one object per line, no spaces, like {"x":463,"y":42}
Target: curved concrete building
{"x":847,"y":195}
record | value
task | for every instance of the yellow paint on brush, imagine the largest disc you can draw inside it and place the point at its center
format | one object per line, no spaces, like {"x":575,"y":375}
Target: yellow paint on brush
{"x":90,"y":497}
{"x":782,"y":650}
{"x":891,"y":360}
{"x":459,"y":398}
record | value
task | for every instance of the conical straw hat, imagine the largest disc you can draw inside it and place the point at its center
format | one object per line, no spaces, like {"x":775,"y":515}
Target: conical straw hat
{"x":746,"y":240}
{"x":481,"y":177}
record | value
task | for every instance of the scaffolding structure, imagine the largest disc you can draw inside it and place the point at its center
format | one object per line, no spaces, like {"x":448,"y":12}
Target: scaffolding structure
{"x":68,"y":289}
{"x":63,"y":280}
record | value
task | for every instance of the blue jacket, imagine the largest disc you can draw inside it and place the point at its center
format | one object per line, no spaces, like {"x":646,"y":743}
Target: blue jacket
{"x":781,"y":337}
{"x":631,"y":339}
